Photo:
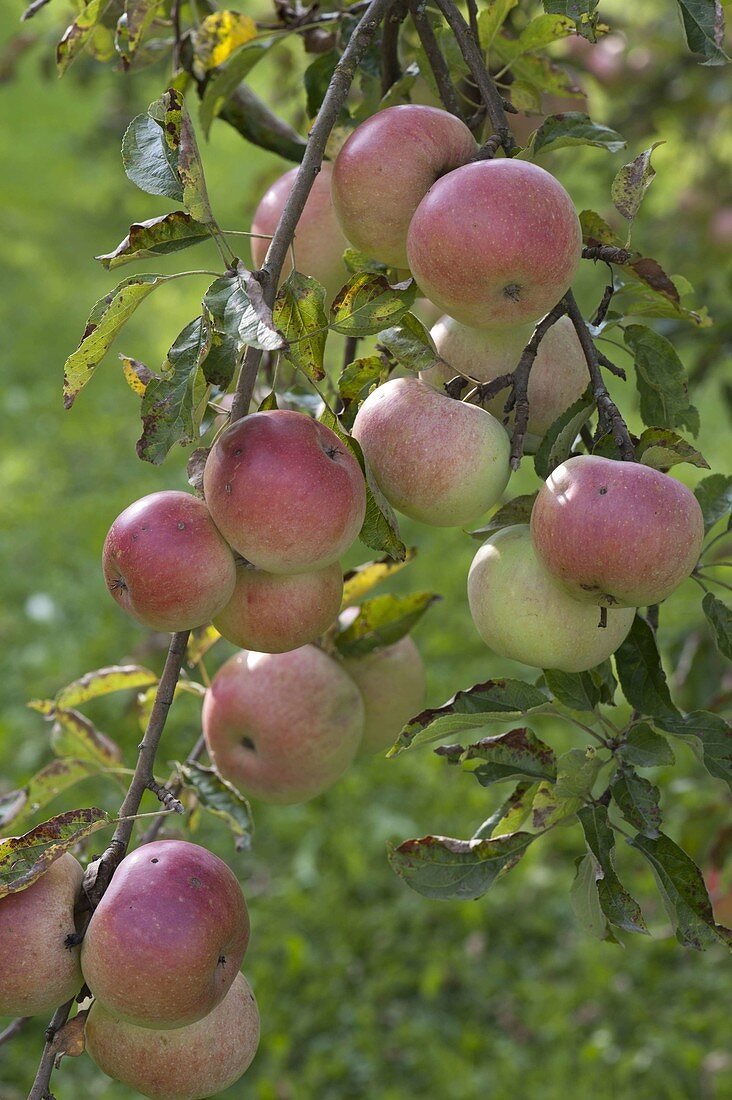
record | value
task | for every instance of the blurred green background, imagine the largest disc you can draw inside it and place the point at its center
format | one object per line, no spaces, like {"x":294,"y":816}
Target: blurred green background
{"x":366,"y":990}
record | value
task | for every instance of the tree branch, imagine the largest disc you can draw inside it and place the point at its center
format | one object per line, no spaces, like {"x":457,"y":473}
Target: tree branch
{"x":606,"y":252}
{"x":13,"y":1028}
{"x":174,"y":787}
{"x":40,"y":1088}
{"x":390,"y":67}
{"x":433,"y":53}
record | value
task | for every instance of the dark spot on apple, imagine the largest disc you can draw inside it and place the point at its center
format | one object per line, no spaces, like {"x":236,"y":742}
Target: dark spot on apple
{"x":195,"y":882}
{"x":237,"y":452}
{"x":181,"y":526}
{"x":120,"y":584}
{"x":513,"y":291}
{"x":603,"y":490}
{"x":221,"y":960}
{"x":227,"y":487}
{"x":155,"y":860}
{"x":248,"y":744}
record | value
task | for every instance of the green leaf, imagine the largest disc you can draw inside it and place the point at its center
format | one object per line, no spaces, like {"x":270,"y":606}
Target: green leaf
{"x":632,"y":182}
{"x":317,"y":77}
{"x":714,"y":494}
{"x":720,"y":620}
{"x":357,"y":582}
{"x":511,"y":755}
{"x":382,"y":621}
{"x":447,"y":869}
{"x":367,"y":304}
{"x":542,"y":31}
{"x":638,"y":801}
{"x":359,"y":263}
{"x":173,"y":404}
{"x":683,"y":891}
{"x":20,"y":807}
{"x":299,"y":314}
{"x":704,"y":29}
{"x":238,"y":309}
{"x":558,"y":439}
{"x":661,"y":449}
{"x":221,"y":798}
{"x":604,"y":678}
{"x":576,"y":690}
{"x":410,"y":344}
{"x":148,"y":160}
{"x":77,"y":35}
{"x":106,"y":319}
{"x":585,"y":900}
{"x":104,"y":681}
{"x":222,"y":84}
{"x":217,"y":36}
{"x":549,"y":808}
{"x":582,"y":12}
{"x":515,"y":511}
{"x":616,"y":903}
{"x":355,"y":383}
{"x":709,"y":736}
{"x":661,"y":380}
{"x":577,"y":771}
{"x":138,"y":16}
{"x":472,"y":709}
{"x":535,"y":71}
{"x":653,"y":299}
{"x":491,"y":18}
{"x":23,"y":859}
{"x":573,"y":128}
{"x":640,"y":673}
{"x":511,"y":814}
{"x":595,"y":230}
{"x":156,"y":237}
{"x":645,"y":748}
{"x":74,"y":735}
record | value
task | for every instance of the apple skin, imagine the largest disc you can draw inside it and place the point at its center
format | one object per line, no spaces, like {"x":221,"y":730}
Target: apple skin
{"x":496,"y":242}
{"x":437,"y":460}
{"x":285,"y":492}
{"x":271,"y":613}
{"x":37,"y":971}
{"x":394,"y":157}
{"x":558,"y":375}
{"x":283,"y":727}
{"x":189,"y":1063}
{"x":168,"y":937}
{"x":319,"y":241}
{"x":166,"y":564}
{"x":521,"y":612}
{"x":617,"y":534}
{"x":392,"y":683}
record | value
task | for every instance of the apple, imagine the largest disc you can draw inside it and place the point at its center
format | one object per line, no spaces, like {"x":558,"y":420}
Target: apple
{"x":437,"y":460}
{"x":38,"y":972}
{"x":521,"y":612}
{"x":271,"y":613}
{"x":166,"y":564}
{"x":283,"y":727}
{"x":385,"y":169}
{"x":496,"y":242}
{"x":618,"y":534}
{"x":168,"y":937}
{"x":392,"y":683}
{"x":285,"y":492}
{"x":319,"y":241}
{"x":188,"y":1063}
{"x":558,"y":375}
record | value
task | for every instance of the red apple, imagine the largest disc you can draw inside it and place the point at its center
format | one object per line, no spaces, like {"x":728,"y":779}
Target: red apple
{"x":168,"y":937}
{"x":618,"y":534}
{"x":283,"y":727}
{"x":166,"y":563}
{"x":385,"y":169}
{"x":285,"y":492}
{"x":496,"y":242}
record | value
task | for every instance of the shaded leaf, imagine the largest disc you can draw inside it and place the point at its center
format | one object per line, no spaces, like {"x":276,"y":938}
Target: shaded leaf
{"x":710,"y":737}
{"x":616,"y":903}
{"x":410,"y":344}
{"x":104,"y":681}
{"x":148,"y":160}
{"x":217,"y":36}
{"x":632,"y":182}
{"x":146,"y":699}
{"x":221,"y":798}
{"x":661,"y":448}
{"x":549,"y":808}
{"x":222,"y":84}
{"x":640,"y":672}
{"x":317,"y":77}
{"x":604,"y":678}
{"x":200,"y":642}
{"x":77,"y":35}
{"x":585,"y":899}
{"x":511,"y":755}
{"x":382,"y":621}
{"x":238,"y":309}
{"x":21,"y":806}
{"x":559,"y":438}
{"x":661,"y":380}
{"x":356,"y":382}
{"x":173,"y":403}
{"x":582,"y":12}
{"x":645,"y":748}
{"x":299,"y":314}
{"x":74,"y":735}
{"x":720,"y":620}
{"x":704,"y":29}
{"x":491,"y":19}
{"x":361,"y":579}
{"x":359,"y":263}
{"x":714,"y":494}
{"x":156,"y":237}
{"x":642,"y":299}
{"x":515,"y":511}
{"x":638,"y":801}
{"x":367,"y":304}
{"x":24,"y":859}
{"x":447,"y":869}
{"x":576,"y":690}
{"x":511,"y":814}
{"x":542,"y":31}
{"x":573,"y":128}
{"x":577,"y":771}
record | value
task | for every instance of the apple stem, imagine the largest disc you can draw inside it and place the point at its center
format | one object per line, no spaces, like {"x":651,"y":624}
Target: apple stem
{"x":435,"y":57}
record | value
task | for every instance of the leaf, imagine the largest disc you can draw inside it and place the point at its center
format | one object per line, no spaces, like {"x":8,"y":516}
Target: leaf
{"x":577,"y":771}
{"x":582,"y":12}
{"x":471,"y":709}
{"x":70,"y":1039}
{"x":720,"y":620}
{"x":542,"y":31}
{"x":644,"y":748}
{"x":355,"y":383}
{"x":360,"y":580}
{"x":146,"y":699}
{"x":23,"y":859}
{"x":559,"y":438}
{"x":714,"y":494}
{"x":638,"y":801}
{"x":382,"y":621}
{"x":104,"y":681}
{"x":156,"y":237}
{"x":604,"y":678}
{"x":136,"y":374}
{"x":704,"y":29}
{"x":549,"y":808}
{"x":515,"y":511}
{"x":585,"y":900}
{"x":710,"y":737}
{"x":573,"y":128}
{"x":447,"y":869}
{"x":19,"y":807}
{"x":299,"y":314}
{"x":222,"y":84}
{"x":105,"y":321}
{"x":511,"y":755}
{"x":358,"y":263}
{"x":221,"y":798}
{"x":538,"y":71}
{"x":367,"y":304}
{"x":238,"y":309}
{"x":661,"y":449}
{"x":632,"y":182}
{"x":576,"y":690}
{"x":216,"y":38}
{"x":512,"y":813}
{"x":595,"y":230}
{"x":200,"y":642}
{"x":172,"y":404}
{"x":640,"y":673}
{"x":661,"y":380}
{"x":492,"y":18}
{"x":74,"y":735}
{"x":649,"y":299}
{"x":317,"y":77}
{"x":181,"y":140}
{"x":410,"y":344}
{"x":77,"y":35}
{"x":683,"y":891}
{"x":616,"y":903}
{"x":148,"y":160}
{"x":138,"y":16}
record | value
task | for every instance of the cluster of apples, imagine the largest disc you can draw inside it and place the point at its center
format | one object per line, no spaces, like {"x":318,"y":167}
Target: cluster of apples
{"x":172,"y":1015}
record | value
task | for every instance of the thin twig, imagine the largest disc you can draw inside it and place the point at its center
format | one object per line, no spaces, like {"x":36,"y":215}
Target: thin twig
{"x":473,"y":17}
{"x":606,"y":252}
{"x":609,"y":365}
{"x":435,"y":57}
{"x":33,"y":9}
{"x":13,"y":1029}
{"x":40,"y":1088}
{"x":174,"y":786}
{"x":350,"y":348}
{"x":390,"y":67}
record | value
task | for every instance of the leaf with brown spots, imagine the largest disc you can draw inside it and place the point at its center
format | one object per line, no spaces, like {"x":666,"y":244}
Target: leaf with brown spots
{"x":23,"y":859}
{"x":511,"y":755}
{"x":104,"y":681}
{"x":156,"y":237}
{"x":74,"y":735}
{"x":632,"y":182}
{"x":20,"y":807}
{"x":448,"y":869}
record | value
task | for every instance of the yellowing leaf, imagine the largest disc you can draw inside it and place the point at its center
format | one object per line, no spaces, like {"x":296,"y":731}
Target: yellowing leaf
{"x":218,"y":36}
